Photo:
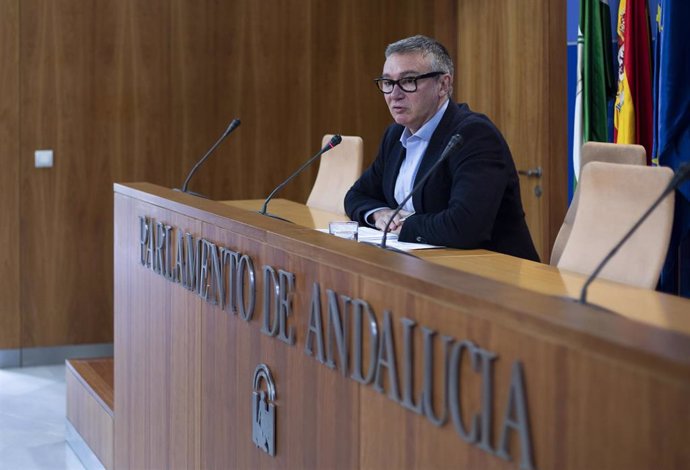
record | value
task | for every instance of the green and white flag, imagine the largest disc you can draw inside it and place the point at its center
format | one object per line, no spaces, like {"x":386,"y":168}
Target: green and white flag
{"x":596,"y":83}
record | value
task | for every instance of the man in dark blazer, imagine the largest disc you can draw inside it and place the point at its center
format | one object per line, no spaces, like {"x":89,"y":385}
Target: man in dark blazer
{"x":472,"y":200}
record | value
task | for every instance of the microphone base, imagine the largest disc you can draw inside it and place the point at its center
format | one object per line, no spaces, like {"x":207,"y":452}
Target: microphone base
{"x":277,"y":217}
{"x":398,"y":250}
{"x":588,"y":304}
{"x":192,"y":193}
{"x":390,"y":248}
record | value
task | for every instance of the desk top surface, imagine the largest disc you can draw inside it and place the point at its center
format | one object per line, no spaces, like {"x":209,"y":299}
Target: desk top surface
{"x":647,"y":306}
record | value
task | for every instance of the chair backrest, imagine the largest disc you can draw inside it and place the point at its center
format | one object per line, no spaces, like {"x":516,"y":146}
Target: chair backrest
{"x":629,"y":154}
{"x":339,"y":168}
{"x":612,"y":198}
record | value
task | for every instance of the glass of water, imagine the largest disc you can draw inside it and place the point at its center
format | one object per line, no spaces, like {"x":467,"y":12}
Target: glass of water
{"x":344,"y":229}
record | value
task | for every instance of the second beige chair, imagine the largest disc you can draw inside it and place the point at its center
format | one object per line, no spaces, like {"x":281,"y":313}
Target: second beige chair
{"x":339,"y":168}
{"x":612,"y":198}
{"x":595,"y":152}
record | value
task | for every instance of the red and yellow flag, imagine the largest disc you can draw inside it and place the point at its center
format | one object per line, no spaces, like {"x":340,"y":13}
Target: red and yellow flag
{"x":633,"y":118}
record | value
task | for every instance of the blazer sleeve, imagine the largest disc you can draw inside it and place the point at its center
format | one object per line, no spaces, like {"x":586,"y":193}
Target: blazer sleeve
{"x":368,"y":191}
{"x":479,"y":175}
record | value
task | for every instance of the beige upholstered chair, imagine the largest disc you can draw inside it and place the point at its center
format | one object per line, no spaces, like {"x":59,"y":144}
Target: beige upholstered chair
{"x":339,"y":168}
{"x":612,"y":198}
{"x":595,"y":152}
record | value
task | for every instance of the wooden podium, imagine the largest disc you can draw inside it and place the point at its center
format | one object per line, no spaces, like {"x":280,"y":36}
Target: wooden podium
{"x":238,"y":336}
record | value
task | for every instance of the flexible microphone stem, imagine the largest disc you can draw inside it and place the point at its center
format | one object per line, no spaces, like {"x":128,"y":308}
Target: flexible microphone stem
{"x":335,"y":140}
{"x":231,"y":127}
{"x":681,"y":175}
{"x":454,"y":142}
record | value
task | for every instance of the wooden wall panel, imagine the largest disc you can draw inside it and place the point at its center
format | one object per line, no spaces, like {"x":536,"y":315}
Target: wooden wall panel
{"x":291,"y":72}
{"x":94,"y":91}
{"x":138,"y":91}
{"x":247,"y":60}
{"x":511,"y":66}
{"x":9,"y":184}
{"x":555,"y":160}
{"x":131,"y":82}
{"x":349,"y":39}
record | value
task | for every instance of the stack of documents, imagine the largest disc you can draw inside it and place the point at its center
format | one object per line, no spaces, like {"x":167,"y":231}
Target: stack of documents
{"x":373,"y":236}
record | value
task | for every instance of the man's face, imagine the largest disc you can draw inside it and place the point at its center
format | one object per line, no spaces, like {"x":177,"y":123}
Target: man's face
{"x":412,"y":110}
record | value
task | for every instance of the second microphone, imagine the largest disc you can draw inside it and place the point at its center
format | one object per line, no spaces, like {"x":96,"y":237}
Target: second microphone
{"x":335,"y":140}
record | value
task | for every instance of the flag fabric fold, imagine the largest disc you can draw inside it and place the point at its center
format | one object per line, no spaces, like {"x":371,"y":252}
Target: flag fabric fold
{"x":672,"y":130}
{"x":633,"y":108}
{"x":596,"y":80}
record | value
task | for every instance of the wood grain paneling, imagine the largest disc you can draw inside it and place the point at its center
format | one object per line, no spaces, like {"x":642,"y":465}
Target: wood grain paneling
{"x":98,"y":375}
{"x":9,"y":182}
{"x":158,"y":376}
{"x":97,"y":91}
{"x":555,"y":160}
{"x":247,"y":60}
{"x":602,"y":390}
{"x":131,"y":91}
{"x":89,"y":391}
{"x":577,"y":401}
{"x":66,"y":226}
{"x":348,"y":40}
{"x":511,"y":66}
{"x":316,"y":430}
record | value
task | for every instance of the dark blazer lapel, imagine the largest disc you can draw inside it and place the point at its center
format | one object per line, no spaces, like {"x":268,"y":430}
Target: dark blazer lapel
{"x":434,"y":150}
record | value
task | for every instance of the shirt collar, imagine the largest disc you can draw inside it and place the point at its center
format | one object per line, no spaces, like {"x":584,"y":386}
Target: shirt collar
{"x":427,"y":130}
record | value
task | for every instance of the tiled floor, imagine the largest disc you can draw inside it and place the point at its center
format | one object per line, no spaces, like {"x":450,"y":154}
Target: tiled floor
{"x":32,"y":420}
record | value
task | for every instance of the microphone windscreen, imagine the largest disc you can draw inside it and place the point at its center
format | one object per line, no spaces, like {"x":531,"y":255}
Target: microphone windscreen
{"x":233,"y":125}
{"x":681,"y":175}
{"x":455,"y":141}
{"x":335,"y":140}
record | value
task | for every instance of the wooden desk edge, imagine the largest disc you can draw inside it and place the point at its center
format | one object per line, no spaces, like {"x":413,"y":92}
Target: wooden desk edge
{"x":522,"y":307}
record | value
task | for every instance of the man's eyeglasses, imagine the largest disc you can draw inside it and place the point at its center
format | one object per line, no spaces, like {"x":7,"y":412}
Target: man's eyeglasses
{"x":406,"y":84}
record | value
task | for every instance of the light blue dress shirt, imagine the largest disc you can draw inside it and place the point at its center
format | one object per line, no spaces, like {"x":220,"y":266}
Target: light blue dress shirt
{"x":415,"y":147}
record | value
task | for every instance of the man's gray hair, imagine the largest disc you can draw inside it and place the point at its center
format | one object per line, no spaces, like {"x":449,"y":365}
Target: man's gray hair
{"x":440,"y":59}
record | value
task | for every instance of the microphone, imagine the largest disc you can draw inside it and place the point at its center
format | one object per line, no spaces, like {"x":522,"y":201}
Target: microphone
{"x":233,"y":125}
{"x":678,"y":178}
{"x":335,"y":140}
{"x":453,"y":143}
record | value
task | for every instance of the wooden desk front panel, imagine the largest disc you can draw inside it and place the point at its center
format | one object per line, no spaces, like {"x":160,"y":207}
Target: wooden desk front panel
{"x":586,"y":409}
{"x":184,"y":367}
{"x":317,"y":409}
{"x":157,"y":353}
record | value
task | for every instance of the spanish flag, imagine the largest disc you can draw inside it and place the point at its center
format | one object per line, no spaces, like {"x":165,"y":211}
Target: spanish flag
{"x":632,"y":114}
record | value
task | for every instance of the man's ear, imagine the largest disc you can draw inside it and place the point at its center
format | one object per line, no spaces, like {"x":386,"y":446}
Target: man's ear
{"x":446,"y":81}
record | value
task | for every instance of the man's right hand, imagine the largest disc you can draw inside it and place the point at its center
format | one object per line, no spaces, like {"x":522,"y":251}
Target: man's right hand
{"x":382,"y":217}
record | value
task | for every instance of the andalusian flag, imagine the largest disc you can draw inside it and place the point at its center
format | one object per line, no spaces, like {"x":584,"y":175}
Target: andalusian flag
{"x":632,"y":115}
{"x":595,"y":78}
{"x":672,"y":129}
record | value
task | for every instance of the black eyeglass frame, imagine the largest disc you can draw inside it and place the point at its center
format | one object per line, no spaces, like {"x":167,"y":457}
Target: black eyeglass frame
{"x":414,"y":79}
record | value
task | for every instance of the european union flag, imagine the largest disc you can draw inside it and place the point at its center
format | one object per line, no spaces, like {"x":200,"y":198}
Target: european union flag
{"x":672,"y":130}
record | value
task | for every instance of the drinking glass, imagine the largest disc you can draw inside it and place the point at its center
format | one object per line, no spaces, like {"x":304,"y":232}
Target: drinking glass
{"x":343,"y":229}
